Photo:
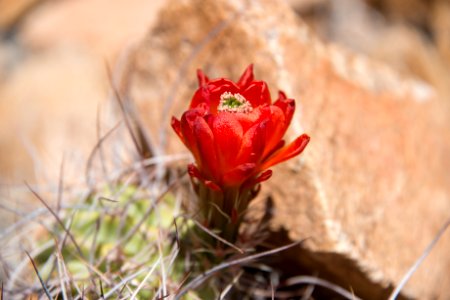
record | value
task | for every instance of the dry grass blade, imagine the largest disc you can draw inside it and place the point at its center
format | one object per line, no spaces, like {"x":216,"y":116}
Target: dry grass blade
{"x":227,"y":289}
{"x":67,"y":231}
{"x":102,"y":295}
{"x":11,"y":210}
{"x":92,"y":269}
{"x":129,"y":234}
{"x":62,"y":268}
{"x":185,"y":278}
{"x":201,"y":278}
{"x":218,"y":237}
{"x":272,"y":290}
{"x":58,"y":219}
{"x":25,"y":219}
{"x":416,"y":265}
{"x":100,"y":148}
{"x":163,"y":269}
{"x":323,"y":283}
{"x":124,"y":112}
{"x":123,"y":282}
{"x":94,"y":241}
{"x":145,"y":279}
{"x":96,"y":148}
{"x":61,"y":276}
{"x":39,"y":276}
{"x":144,"y":217}
{"x":17,"y":271}
{"x":177,"y":237}
{"x":108,"y":199}
{"x":60,"y":185}
{"x":308,"y":292}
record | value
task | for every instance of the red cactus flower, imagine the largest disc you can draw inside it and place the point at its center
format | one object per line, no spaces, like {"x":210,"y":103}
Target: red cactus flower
{"x":235,"y":132}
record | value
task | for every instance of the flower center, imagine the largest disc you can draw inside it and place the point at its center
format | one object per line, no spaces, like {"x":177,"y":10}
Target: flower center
{"x":234,"y":103}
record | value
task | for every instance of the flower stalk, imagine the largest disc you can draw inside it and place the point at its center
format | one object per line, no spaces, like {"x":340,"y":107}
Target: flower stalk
{"x":235,"y":133}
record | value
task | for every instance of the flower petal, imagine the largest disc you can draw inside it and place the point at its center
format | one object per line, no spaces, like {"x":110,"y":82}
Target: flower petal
{"x":201,"y":96}
{"x":228,"y":134}
{"x":287,"y":106}
{"x":202,"y":78}
{"x":239,"y":174}
{"x":276,"y":126}
{"x":187,"y":130}
{"x":257,"y":93}
{"x":263,"y":176}
{"x":275,"y":149}
{"x":246,"y":77}
{"x":207,"y":159}
{"x":254,"y":181}
{"x":287,"y":152}
{"x":176,"y":125}
{"x":253,"y":142}
{"x":195,"y":173}
{"x":249,"y":119}
{"x":282,"y":95}
{"x":222,"y":85}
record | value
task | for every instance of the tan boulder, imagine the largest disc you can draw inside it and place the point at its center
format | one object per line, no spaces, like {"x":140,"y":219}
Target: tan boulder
{"x":371,"y":190}
{"x":13,"y":11}
{"x":105,"y":27}
{"x":388,"y":34}
{"x":48,"y":109}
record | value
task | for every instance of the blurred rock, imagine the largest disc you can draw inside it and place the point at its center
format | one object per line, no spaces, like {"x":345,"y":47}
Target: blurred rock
{"x":13,"y":11}
{"x":413,"y":11}
{"x":106,"y":27}
{"x":371,"y":190}
{"x":411,"y":41}
{"x":48,"y":107}
{"x":305,"y":5}
{"x":440,"y":23}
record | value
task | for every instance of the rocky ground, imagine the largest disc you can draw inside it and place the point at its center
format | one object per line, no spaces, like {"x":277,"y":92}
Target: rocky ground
{"x":372,"y":83}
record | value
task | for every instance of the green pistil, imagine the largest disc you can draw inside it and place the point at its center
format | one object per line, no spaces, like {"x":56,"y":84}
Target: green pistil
{"x":232,"y":102}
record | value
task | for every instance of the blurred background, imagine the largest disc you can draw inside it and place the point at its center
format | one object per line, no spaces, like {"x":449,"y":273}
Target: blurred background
{"x":53,"y":57}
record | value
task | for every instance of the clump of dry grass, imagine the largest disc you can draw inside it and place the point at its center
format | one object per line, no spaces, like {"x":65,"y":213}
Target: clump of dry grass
{"x":118,"y":241}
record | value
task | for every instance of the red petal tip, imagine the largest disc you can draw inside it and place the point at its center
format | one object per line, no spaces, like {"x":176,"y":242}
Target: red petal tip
{"x":306,"y":138}
{"x":174,"y":121}
{"x":262,"y":177}
{"x":202,"y":78}
{"x":212,"y":185}
{"x":282,"y":95}
{"x":246,"y":77}
{"x":176,"y":126}
{"x":287,"y":152}
{"x":195,"y":173}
